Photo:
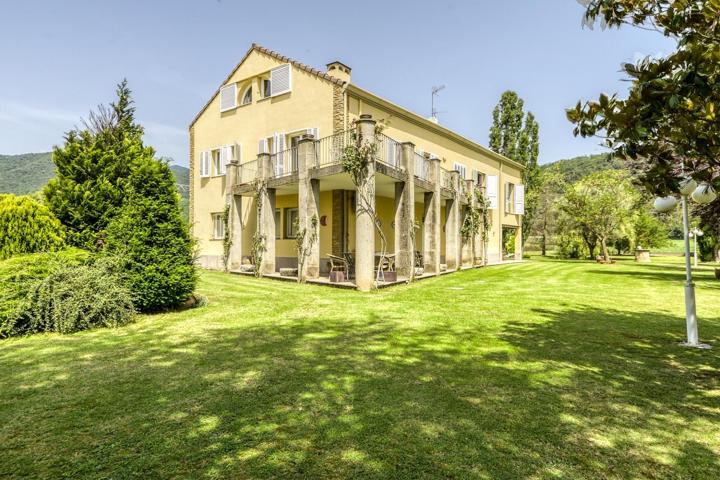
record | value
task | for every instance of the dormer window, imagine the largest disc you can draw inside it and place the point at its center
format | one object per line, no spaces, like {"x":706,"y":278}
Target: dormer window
{"x":247,"y":96}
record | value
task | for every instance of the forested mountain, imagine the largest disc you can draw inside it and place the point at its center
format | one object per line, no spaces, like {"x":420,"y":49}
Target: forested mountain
{"x":29,"y":172}
{"x":25,"y":173}
{"x":576,"y":168}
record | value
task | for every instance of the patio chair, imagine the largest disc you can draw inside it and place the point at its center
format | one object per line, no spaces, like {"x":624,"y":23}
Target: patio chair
{"x":338,"y":264}
{"x":350,"y":262}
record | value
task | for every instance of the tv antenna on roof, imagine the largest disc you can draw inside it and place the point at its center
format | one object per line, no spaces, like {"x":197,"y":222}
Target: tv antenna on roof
{"x":433,"y":111}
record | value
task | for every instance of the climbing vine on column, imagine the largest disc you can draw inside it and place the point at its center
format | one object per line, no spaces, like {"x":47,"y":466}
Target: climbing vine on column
{"x":227,"y":236}
{"x":258,"y":247}
{"x":304,"y":243}
{"x":356,"y":157}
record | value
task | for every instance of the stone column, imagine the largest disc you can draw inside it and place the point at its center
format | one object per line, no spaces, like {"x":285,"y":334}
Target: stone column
{"x":309,"y":205}
{"x":234,"y":225}
{"x":452,"y":225}
{"x":431,"y":219}
{"x":405,"y":213}
{"x":266,"y":218}
{"x":364,"y":220}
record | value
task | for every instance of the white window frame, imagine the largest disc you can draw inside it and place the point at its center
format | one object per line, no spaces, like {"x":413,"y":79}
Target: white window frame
{"x":204,"y":164}
{"x":249,"y":90}
{"x":289,"y":221}
{"x":509,"y":197}
{"x":459,"y":167}
{"x":232,"y":86}
{"x":218,"y":226}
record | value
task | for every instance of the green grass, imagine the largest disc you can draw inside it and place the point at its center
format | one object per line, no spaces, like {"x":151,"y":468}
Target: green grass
{"x":547,"y":369}
{"x":673,"y":245}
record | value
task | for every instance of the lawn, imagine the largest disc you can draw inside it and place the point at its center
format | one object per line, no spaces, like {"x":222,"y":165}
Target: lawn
{"x":547,"y":369}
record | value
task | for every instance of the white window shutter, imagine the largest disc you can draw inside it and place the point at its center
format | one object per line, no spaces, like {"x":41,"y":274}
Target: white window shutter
{"x":491,"y":191}
{"x":237,"y":152}
{"x":280,"y":81}
{"x":224,"y":159}
{"x":205,"y":164}
{"x":315,"y":132}
{"x":262,"y":146}
{"x":228,"y":97}
{"x":278,"y":150}
{"x":520,"y":199}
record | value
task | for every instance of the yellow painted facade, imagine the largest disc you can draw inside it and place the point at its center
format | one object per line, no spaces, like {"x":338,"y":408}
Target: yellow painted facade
{"x":311,"y":105}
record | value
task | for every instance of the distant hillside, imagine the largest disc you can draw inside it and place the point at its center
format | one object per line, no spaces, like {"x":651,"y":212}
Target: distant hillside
{"x":25,"y":173}
{"x":576,"y":168}
{"x":29,"y":172}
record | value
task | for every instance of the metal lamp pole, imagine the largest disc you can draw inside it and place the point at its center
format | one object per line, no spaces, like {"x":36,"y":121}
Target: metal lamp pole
{"x":690,"y":311}
{"x":703,"y":193}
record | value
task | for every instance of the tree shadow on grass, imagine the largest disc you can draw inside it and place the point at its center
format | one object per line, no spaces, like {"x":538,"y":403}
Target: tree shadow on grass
{"x":583,"y":394}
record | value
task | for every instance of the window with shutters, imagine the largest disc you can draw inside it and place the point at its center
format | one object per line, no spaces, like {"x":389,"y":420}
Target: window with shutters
{"x":205,"y":164}
{"x":459,"y":167}
{"x":218,"y":226}
{"x":479,"y":179}
{"x":228,"y":97}
{"x":220,"y":159}
{"x":280,"y":80}
{"x":509,"y":197}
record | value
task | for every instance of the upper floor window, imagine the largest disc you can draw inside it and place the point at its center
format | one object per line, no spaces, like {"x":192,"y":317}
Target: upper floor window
{"x":279,"y":81}
{"x":459,"y":167}
{"x":228,"y":97}
{"x":247,"y":96}
{"x":509,"y":197}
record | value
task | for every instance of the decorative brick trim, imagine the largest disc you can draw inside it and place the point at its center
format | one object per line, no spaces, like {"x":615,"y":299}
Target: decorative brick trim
{"x":338,"y":109}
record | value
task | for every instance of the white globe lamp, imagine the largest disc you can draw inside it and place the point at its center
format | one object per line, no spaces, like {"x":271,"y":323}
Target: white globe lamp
{"x":665,"y":204}
{"x":687,"y":186}
{"x":704,"y":193}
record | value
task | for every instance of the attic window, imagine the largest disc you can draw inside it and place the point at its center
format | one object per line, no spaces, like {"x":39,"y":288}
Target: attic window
{"x":280,"y":81}
{"x":247,"y":97}
{"x":228,"y":97}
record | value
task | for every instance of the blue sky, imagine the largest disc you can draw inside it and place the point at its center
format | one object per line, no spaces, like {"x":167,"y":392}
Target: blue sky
{"x":61,"y":59}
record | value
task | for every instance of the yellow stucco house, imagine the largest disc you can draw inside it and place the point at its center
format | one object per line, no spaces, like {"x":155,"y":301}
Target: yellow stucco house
{"x":268,"y":145}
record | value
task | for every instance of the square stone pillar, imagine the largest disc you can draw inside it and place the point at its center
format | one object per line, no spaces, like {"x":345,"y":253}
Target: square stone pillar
{"x":364,"y":219}
{"x":234,"y":225}
{"x":266,"y":214}
{"x":452,"y":225}
{"x":405,"y":213}
{"x":431,"y":219}
{"x":309,"y":205}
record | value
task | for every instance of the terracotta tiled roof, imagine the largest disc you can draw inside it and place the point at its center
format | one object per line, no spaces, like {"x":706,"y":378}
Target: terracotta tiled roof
{"x":277,"y":56}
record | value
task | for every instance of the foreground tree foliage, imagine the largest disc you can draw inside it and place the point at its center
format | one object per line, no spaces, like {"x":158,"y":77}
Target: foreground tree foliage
{"x":599,"y":207}
{"x":18,"y":277}
{"x":152,"y":239}
{"x":668,"y":124}
{"x":92,"y":170}
{"x":27,"y":226}
{"x":519,"y":141}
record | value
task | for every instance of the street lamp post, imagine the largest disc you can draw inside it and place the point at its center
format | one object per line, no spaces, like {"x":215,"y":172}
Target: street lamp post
{"x":701,"y":194}
{"x":695,"y":233}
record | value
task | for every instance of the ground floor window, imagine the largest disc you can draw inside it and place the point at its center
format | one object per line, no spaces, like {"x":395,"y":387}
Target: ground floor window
{"x":509,"y":235}
{"x":278,"y":225}
{"x":291,"y":217}
{"x":218,"y":226}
